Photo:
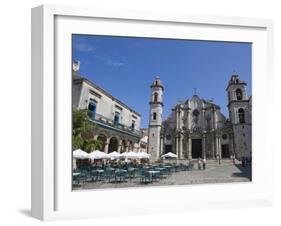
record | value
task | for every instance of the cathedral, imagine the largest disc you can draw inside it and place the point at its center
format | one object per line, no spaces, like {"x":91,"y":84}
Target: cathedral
{"x":196,"y":128}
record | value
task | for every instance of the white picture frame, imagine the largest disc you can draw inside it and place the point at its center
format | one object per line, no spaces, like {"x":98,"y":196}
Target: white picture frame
{"x":51,"y":197}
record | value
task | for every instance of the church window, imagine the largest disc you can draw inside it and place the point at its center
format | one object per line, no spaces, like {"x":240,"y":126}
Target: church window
{"x":168,"y":137}
{"x":196,"y":113}
{"x":224,"y":136}
{"x":154,"y":115}
{"x":155,"y":97}
{"x":156,"y":82}
{"x":241,"y":115}
{"x":239,"y":94}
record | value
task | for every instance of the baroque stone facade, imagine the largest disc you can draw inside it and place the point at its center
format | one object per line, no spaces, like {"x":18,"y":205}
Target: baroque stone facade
{"x":196,"y":128}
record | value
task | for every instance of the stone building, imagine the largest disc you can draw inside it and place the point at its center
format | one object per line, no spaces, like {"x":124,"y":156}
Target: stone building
{"x":118,"y":125}
{"x":197,"y":128}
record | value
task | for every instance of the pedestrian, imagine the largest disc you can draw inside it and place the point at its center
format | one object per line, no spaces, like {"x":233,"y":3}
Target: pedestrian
{"x":199,"y":163}
{"x":204,"y":164}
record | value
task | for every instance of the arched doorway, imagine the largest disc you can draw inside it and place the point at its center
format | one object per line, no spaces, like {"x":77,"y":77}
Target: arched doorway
{"x":113,"y":144}
{"x":102,"y":139}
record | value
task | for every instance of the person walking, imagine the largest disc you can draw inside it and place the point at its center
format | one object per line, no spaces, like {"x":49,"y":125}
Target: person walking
{"x":204,"y":164}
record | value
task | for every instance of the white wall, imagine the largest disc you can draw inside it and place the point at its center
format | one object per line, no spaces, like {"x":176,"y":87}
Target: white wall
{"x":15,"y":125}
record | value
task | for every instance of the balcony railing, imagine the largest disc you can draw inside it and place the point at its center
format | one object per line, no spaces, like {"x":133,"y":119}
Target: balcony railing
{"x":110,"y":122}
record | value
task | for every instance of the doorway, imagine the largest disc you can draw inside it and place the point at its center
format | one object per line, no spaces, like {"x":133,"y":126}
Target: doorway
{"x":225,"y":151}
{"x":196,"y":148}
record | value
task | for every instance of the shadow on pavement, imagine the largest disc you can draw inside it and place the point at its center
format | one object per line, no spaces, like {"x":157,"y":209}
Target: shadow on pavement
{"x":245,"y":171}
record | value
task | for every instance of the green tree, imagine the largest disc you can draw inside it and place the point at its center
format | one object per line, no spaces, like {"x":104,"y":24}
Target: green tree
{"x":82,"y":130}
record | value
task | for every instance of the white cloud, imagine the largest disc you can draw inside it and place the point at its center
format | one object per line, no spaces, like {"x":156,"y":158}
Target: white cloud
{"x":81,"y":47}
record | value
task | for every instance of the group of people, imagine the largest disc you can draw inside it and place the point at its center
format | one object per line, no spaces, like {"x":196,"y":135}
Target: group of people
{"x":201,"y":164}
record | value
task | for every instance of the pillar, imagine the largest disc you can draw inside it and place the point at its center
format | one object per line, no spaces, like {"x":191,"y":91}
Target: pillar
{"x":119,"y":146}
{"x":219,"y":138}
{"x":188,"y":119}
{"x":217,"y":146}
{"x":204,"y":146}
{"x":203,"y":119}
{"x":177,"y":145}
{"x":213,"y":146}
{"x":180,"y":146}
{"x":161,"y":145}
{"x":106,"y":145}
{"x":189,"y":148}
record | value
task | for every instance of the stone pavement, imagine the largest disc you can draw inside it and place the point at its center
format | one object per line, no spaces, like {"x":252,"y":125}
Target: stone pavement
{"x":214,"y":173}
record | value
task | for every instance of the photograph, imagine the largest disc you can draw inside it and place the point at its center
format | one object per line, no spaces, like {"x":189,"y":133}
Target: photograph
{"x":160,"y":112}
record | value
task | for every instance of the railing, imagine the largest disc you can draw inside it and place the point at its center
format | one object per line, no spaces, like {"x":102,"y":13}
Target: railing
{"x":110,"y":122}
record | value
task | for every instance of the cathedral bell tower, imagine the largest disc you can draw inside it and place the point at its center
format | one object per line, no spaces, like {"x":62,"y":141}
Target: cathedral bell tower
{"x":237,"y":100}
{"x":239,"y":107}
{"x":155,"y":118}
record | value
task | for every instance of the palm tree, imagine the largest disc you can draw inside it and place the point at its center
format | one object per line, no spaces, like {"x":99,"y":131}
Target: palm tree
{"x":82,"y":130}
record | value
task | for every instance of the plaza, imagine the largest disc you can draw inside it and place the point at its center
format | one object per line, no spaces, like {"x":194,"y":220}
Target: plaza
{"x":226,"y":172}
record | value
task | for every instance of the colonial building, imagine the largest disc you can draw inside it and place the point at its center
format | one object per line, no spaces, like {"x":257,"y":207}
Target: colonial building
{"x":118,"y":125}
{"x":197,"y":128}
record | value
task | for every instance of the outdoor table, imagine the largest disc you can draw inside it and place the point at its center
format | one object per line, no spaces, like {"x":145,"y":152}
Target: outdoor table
{"x":154,"y":174}
{"x":120,"y":173}
{"x":99,"y":172}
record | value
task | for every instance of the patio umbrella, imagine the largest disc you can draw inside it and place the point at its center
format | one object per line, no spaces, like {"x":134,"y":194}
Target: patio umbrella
{"x":114,"y":155}
{"x":130,"y":155}
{"x":143,"y":155}
{"x":169,"y":155}
{"x":98,"y":155}
{"x":80,"y":154}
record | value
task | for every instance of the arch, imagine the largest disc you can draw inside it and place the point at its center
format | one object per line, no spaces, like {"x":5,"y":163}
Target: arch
{"x":154,"y":116}
{"x":241,"y":115}
{"x":155,"y":97}
{"x":102,"y":138}
{"x":239,"y":94}
{"x":113,"y":144}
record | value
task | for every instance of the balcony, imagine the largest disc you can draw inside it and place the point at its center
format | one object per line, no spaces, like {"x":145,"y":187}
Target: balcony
{"x":107,"y":122}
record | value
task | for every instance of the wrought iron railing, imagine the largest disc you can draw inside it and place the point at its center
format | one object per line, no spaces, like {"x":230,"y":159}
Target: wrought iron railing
{"x":110,"y":122}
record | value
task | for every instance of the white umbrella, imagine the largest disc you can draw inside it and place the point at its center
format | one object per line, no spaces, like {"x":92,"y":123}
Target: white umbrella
{"x":98,"y":155}
{"x":114,"y":155}
{"x":143,"y":155}
{"x":130,"y":155}
{"x":79,"y":154}
{"x":169,"y":155}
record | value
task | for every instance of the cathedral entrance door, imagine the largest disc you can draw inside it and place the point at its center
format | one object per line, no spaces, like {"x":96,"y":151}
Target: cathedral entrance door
{"x":225,"y":151}
{"x":196,"y":148}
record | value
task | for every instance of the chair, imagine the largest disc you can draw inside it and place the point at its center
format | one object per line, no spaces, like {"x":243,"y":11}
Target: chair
{"x":145,"y":177}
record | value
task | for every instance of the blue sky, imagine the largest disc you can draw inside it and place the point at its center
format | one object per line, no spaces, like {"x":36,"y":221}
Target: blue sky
{"x":126,"y":67}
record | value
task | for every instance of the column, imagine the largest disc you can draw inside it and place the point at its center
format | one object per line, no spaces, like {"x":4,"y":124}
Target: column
{"x":214,"y":118}
{"x":213,"y":146}
{"x":126,"y":146}
{"x":119,"y":146}
{"x":188,"y":119}
{"x":217,"y":146}
{"x":161,"y":146}
{"x":203,"y":119}
{"x":189,"y":147}
{"x":177,"y":145}
{"x":106,"y":145}
{"x":204,"y":146}
{"x":180,"y":146}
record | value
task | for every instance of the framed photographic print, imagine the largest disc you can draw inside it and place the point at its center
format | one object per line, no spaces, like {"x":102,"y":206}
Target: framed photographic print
{"x":134,"y":112}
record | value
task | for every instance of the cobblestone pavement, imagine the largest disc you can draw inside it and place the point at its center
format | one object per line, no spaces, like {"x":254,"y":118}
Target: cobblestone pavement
{"x":214,"y":173}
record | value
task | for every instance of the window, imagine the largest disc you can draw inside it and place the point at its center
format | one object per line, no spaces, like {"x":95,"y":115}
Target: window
{"x":224,"y":136}
{"x":154,"y":115}
{"x":241,"y":115}
{"x":92,"y":109}
{"x":155,"y":97}
{"x":116,"y":118}
{"x":133,"y":124}
{"x":239,"y":94}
